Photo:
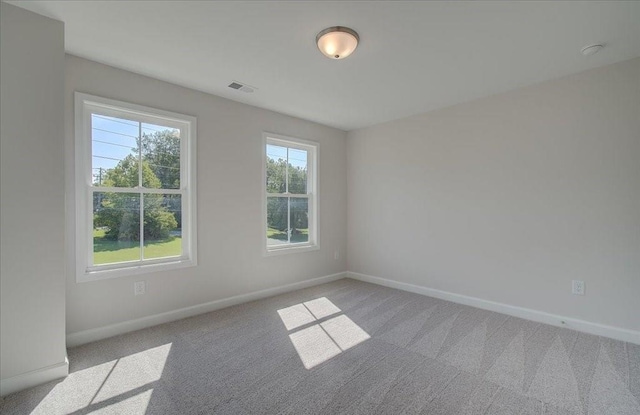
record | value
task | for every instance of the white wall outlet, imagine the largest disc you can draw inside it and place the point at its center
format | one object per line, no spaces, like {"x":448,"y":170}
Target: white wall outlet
{"x":139,"y":288}
{"x":336,"y":254}
{"x":577,"y":287}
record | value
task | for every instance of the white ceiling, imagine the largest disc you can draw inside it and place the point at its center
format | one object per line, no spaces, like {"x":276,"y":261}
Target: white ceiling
{"x":413,"y":56}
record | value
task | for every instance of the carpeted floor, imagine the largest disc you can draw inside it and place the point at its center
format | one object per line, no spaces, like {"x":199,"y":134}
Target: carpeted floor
{"x":344,"y":348}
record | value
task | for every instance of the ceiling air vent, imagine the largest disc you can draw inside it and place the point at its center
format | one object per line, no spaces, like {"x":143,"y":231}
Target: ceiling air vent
{"x":241,"y":87}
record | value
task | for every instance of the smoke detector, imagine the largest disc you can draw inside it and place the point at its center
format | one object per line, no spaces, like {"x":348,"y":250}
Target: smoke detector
{"x":591,"y":49}
{"x":242,"y":87}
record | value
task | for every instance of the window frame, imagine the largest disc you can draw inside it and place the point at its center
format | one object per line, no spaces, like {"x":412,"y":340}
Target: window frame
{"x":85,"y":106}
{"x":312,"y":195}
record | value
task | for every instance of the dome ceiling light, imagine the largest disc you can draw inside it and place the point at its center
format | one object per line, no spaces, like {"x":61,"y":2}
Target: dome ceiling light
{"x":337,"y":42}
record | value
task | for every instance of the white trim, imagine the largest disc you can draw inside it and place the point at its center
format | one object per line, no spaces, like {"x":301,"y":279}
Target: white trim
{"x":597,"y":329}
{"x":290,"y":249}
{"x":34,"y":378}
{"x":136,"y":190}
{"x":91,"y":335}
{"x":121,"y":270}
{"x":85,"y":104}
{"x":293,"y":142}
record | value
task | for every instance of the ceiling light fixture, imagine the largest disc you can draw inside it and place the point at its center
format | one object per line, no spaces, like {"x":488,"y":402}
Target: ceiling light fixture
{"x":337,"y":42}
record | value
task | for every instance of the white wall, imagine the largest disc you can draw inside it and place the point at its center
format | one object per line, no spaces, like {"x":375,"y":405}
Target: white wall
{"x":510,"y":197}
{"x":32,"y":266}
{"x":230,"y":234}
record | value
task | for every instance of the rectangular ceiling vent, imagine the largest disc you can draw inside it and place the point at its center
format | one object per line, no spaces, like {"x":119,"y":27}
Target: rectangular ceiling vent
{"x":241,"y":87}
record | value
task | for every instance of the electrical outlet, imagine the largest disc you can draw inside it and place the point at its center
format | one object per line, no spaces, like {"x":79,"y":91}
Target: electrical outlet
{"x":577,"y":287}
{"x":139,"y":288}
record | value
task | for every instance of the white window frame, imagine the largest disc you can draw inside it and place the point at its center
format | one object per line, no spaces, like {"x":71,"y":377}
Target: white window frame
{"x":85,"y":106}
{"x":313,"y":185}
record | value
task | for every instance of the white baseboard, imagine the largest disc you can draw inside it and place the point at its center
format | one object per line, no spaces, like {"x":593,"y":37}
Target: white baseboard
{"x":34,"y":378}
{"x":91,"y":335}
{"x":617,"y":333}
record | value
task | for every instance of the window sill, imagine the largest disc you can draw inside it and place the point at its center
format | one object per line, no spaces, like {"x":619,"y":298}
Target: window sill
{"x":291,"y":250}
{"x":124,"y":271}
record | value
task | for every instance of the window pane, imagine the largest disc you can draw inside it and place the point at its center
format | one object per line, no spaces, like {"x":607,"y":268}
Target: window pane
{"x":297,"y":171}
{"x":114,"y":144}
{"x":116,"y":227}
{"x":161,"y":157}
{"x":162,"y":226}
{"x":299,"y":219}
{"x":276,"y":169}
{"x":277,"y":224}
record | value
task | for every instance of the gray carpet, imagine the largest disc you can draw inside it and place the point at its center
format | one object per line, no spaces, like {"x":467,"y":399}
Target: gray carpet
{"x":345,"y":348}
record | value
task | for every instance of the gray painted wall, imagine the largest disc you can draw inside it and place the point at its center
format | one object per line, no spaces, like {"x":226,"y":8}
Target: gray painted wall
{"x":510,"y":197}
{"x":230,"y":234}
{"x":32,"y":264}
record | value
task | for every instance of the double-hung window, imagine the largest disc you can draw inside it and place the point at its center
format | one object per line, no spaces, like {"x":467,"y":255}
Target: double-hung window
{"x":290,"y":194}
{"x":135,"y":189}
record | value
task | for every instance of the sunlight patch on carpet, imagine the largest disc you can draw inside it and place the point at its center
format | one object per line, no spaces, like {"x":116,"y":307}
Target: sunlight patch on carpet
{"x":324,"y":340}
{"x":122,"y":383}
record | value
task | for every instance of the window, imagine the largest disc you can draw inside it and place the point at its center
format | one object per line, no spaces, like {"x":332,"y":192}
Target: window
{"x":290,"y":195}
{"x":135,"y":189}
